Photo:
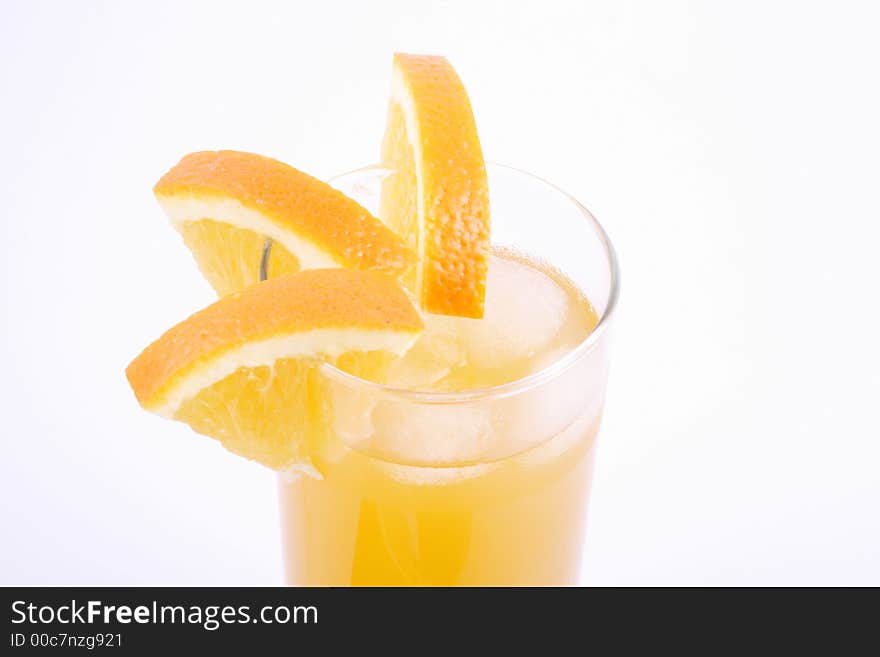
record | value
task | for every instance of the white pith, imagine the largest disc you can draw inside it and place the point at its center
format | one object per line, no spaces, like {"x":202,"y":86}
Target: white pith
{"x":184,"y":208}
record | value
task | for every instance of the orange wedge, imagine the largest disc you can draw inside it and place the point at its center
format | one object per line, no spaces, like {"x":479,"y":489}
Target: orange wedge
{"x":225,"y":203}
{"x":243,"y":370}
{"x":437,"y":197}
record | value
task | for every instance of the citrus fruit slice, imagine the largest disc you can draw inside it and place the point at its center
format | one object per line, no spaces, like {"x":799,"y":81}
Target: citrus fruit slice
{"x":437,"y":196}
{"x":225,"y":203}
{"x":244,"y":369}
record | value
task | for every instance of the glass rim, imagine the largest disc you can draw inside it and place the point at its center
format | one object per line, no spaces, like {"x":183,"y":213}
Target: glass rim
{"x":523,"y":383}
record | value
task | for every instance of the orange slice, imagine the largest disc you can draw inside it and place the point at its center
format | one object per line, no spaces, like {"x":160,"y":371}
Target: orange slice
{"x":225,"y":203}
{"x":437,"y":197}
{"x":243,"y":369}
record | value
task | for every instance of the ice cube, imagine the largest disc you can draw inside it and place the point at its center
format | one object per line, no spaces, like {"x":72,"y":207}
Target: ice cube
{"x":437,"y":352}
{"x":431,"y":433}
{"x":525,"y":310}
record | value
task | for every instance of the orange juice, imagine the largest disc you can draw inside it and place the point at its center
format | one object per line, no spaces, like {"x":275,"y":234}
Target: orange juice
{"x":472,"y":464}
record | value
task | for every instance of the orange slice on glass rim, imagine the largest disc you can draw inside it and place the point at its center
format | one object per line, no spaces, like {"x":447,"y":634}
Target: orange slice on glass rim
{"x":243,"y":370}
{"x":226,"y":203}
{"x":437,"y":196}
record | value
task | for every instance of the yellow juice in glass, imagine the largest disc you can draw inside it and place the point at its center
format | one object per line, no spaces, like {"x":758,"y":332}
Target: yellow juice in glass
{"x":470,"y":471}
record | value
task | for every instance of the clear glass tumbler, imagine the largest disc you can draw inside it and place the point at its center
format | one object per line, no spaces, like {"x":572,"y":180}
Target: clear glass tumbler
{"x":481,"y":487}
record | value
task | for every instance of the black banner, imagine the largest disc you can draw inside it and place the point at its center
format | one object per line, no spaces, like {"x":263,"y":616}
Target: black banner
{"x":411,"y":621}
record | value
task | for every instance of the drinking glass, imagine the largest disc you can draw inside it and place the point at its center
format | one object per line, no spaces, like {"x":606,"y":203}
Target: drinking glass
{"x":473,"y":487}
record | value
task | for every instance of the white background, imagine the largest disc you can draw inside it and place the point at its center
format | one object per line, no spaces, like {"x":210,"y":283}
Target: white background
{"x":731,"y":149}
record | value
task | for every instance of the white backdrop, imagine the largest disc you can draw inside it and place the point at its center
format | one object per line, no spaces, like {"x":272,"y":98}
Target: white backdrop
{"x":731,"y":150}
